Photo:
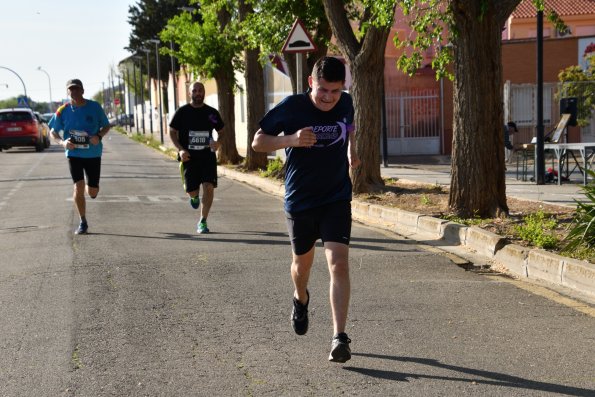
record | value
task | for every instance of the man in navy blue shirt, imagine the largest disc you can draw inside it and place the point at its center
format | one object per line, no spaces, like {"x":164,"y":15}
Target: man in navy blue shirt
{"x":318,"y":138}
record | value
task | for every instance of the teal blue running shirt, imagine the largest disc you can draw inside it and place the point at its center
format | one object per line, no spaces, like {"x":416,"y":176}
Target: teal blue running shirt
{"x":80,"y":123}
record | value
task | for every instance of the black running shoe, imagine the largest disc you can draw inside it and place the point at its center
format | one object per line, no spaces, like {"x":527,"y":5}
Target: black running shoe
{"x":82,"y":229}
{"x":299,"y":316}
{"x":340,"y":351}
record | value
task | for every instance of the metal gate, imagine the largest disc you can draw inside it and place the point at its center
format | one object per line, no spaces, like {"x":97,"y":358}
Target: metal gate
{"x":413,"y":122}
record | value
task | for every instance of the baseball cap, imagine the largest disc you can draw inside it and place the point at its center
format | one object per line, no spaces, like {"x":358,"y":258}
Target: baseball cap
{"x":74,"y":83}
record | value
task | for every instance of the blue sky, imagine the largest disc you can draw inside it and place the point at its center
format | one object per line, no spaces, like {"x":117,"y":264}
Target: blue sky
{"x":67,"y":38}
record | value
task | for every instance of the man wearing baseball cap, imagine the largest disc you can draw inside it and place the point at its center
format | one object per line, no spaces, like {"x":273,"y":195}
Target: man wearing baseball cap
{"x":83,"y":124}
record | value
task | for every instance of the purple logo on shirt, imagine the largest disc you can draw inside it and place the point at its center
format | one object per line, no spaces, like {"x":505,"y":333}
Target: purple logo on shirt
{"x":328,"y":135}
{"x":213,"y":118}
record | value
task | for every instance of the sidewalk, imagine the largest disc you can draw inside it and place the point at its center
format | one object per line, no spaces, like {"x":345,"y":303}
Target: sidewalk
{"x":436,"y":170}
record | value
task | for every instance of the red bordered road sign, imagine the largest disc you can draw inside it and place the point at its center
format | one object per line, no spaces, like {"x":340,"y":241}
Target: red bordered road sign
{"x":299,"y":39}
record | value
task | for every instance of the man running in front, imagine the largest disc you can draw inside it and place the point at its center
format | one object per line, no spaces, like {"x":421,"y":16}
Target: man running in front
{"x":319,"y":144}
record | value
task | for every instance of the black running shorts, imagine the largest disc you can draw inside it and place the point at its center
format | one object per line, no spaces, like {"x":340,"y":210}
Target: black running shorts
{"x":201,"y":168}
{"x":331,"y":222}
{"x":79,"y":166}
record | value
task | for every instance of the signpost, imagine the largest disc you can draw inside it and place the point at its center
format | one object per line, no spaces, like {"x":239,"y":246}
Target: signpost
{"x":299,"y":42}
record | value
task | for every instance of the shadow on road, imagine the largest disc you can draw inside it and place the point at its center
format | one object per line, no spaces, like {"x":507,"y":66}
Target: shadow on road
{"x":213,"y":236}
{"x":477,"y":376}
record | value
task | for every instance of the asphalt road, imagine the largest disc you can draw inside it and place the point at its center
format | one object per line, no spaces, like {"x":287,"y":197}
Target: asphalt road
{"x":143,"y":306}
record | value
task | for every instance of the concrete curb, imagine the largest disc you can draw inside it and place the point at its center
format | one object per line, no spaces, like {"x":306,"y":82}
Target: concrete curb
{"x":470,"y":242}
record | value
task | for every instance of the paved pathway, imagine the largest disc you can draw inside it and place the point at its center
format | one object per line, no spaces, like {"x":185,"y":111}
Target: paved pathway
{"x":436,"y":170}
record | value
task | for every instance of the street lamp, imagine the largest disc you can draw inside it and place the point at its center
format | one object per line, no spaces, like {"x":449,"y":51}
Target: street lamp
{"x":50,"y":83}
{"x":173,"y":73}
{"x":22,"y":82}
{"x":146,"y":51}
{"x":134,"y":58}
{"x":156,"y":42}
{"x":142,"y":90}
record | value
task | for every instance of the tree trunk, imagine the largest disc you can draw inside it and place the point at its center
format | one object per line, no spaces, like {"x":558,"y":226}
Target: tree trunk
{"x":366,"y":60}
{"x":254,"y":77}
{"x":255,"y":107}
{"x":367,"y":71}
{"x":228,"y":152}
{"x":478,"y":180}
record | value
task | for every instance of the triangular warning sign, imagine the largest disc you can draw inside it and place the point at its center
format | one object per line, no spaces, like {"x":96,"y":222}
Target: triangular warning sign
{"x":299,"y":40}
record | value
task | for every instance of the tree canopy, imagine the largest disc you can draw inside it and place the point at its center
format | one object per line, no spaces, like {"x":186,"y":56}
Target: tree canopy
{"x":147,"y":19}
{"x":580,"y":83}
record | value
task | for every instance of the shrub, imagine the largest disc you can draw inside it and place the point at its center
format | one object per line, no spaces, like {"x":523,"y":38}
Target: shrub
{"x":582,"y":228}
{"x":538,"y":230}
{"x":275,"y":169}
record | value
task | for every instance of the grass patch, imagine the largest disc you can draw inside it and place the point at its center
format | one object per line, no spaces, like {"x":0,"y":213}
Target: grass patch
{"x":275,"y":169}
{"x":539,"y":229}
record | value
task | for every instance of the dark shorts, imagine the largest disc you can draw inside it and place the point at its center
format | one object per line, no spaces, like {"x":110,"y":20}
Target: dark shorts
{"x":201,"y":168}
{"x":331,"y":222}
{"x":80,"y":166}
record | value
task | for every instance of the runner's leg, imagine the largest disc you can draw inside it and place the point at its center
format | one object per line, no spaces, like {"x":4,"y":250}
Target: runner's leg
{"x":208,"y":192}
{"x":79,"y":198}
{"x":337,"y":255}
{"x":300,"y":274}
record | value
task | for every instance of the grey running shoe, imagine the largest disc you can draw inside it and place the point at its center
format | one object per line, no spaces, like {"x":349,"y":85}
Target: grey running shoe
{"x":82,"y":229}
{"x":299,"y":316}
{"x":340,"y":351}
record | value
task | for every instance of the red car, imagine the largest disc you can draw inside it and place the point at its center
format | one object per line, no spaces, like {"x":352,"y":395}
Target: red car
{"x":23,"y":127}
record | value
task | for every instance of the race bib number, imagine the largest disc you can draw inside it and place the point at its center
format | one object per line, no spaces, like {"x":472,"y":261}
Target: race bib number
{"x":80,"y":139}
{"x":198,"y":140}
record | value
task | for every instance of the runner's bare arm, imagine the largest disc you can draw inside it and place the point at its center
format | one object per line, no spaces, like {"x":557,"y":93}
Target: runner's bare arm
{"x":173,"y":134}
{"x":269,"y":143}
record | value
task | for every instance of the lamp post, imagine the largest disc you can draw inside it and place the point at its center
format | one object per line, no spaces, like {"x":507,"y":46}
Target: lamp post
{"x":146,"y":51}
{"x":173,"y":74}
{"x":127,"y":109}
{"x":539,"y":147}
{"x":156,"y":42}
{"x":134,"y":58}
{"x":22,"y":82}
{"x":142,"y":91}
{"x":50,"y":84}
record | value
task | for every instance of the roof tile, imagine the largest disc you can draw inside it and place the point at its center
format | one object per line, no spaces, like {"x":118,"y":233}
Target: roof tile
{"x":526,"y":9}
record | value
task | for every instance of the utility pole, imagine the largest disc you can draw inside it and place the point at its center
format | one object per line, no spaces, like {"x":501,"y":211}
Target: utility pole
{"x":156,"y":42}
{"x":135,"y":93}
{"x":146,"y":51}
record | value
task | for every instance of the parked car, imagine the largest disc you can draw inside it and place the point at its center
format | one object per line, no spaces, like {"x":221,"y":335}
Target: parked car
{"x":127,"y":119}
{"x":47,"y":116}
{"x":23,"y":127}
{"x":46,"y":129}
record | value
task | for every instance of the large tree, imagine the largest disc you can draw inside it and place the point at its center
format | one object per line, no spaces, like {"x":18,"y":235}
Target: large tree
{"x":468,"y":33}
{"x":478,"y":185}
{"x":255,"y":98}
{"x":147,"y":19}
{"x":211,"y":49}
{"x":363,"y":47}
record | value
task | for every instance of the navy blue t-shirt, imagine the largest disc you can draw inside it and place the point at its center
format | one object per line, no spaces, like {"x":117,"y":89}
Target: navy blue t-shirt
{"x":318,"y":175}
